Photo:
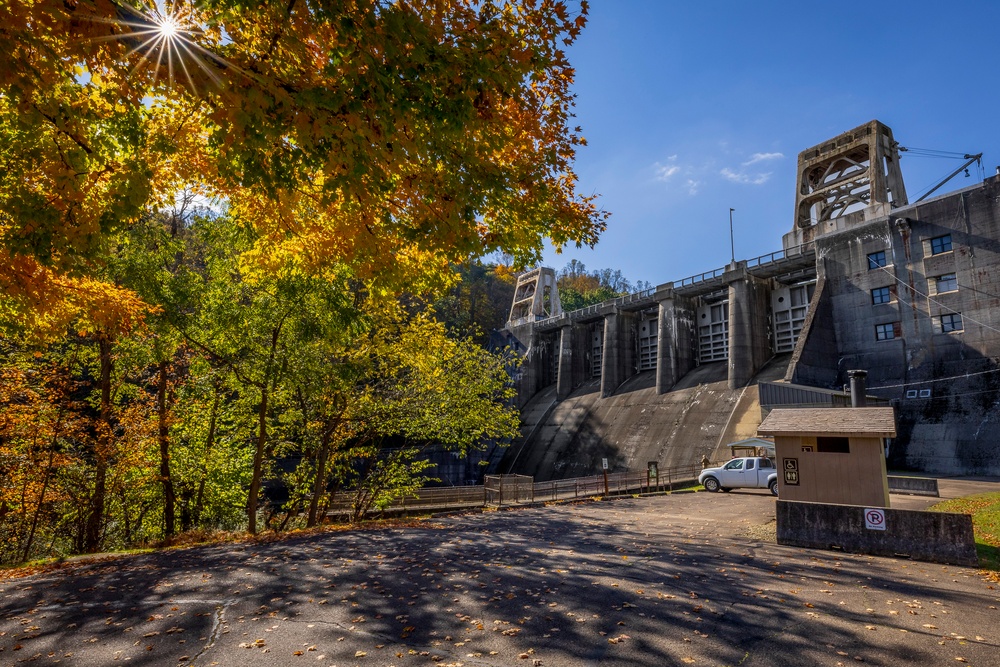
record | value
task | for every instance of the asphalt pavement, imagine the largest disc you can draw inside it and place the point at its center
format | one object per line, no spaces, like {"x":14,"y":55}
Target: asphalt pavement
{"x":685,"y":579}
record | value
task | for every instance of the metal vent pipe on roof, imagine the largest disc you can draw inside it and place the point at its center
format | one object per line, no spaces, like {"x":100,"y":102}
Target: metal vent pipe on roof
{"x":858,"y":389}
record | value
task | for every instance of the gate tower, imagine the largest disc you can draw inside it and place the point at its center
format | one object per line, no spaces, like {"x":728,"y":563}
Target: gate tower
{"x":855,"y":171}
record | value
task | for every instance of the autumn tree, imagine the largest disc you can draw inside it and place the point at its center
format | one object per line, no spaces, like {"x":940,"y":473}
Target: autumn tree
{"x":398,"y":137}
{"x":355,"y":153}
{"x":422,"y":387}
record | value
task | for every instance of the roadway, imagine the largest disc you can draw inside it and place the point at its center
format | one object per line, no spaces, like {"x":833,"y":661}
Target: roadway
{"x":686,"y":579}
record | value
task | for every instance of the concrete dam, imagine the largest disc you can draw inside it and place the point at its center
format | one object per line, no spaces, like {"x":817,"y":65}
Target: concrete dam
{"x":865,"y":279}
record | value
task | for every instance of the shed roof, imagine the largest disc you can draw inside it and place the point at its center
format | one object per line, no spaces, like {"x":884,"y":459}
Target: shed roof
{"x":869,"y":422}
{"x":752,"y":442}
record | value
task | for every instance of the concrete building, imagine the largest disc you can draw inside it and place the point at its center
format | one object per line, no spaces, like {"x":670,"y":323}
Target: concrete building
{"x":864,"y":280}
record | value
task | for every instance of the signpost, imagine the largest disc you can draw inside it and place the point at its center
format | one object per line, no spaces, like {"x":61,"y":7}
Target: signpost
{"x":652,"y":474}
{"x":604,"y":462}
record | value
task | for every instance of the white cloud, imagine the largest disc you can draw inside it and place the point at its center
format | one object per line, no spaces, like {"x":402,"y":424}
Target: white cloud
{"x":665,"y":171}
{"x":692,"y":186}
{"x":744,"y":178}
{"x":761,"y":157}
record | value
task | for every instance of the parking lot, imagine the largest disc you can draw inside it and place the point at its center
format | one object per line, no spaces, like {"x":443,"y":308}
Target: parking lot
{"x":690,"y":578}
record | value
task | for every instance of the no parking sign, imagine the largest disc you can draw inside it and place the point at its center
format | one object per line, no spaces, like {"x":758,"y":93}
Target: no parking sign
{"x":875,"y":519}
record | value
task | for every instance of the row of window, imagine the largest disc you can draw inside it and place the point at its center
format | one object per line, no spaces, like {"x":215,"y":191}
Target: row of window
{"x":942,"y":284}
{"x":938,"y":246}
{"x":944,"y":323}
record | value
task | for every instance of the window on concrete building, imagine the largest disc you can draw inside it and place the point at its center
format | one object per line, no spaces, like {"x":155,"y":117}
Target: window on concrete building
{"x":881,"y":295}
{"x":876,"y":260}
{"x":888,"y":331}
{"x":940,"y":244}
{"x":948,"y":322}
{"x":833,"y":445}
{"x":946,"y":283}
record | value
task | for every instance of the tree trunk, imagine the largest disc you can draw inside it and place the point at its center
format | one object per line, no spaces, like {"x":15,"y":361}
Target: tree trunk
{"x":199,"y":503}
{"x":319,"y":484}
{"x":41,"y":501}
{"x":169,"y":498}
{"x":95,"y":519}
{"x":258,"y":462}
{"x":258,"y":457}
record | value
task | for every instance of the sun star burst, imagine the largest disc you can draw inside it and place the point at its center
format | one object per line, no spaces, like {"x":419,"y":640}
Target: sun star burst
{"x":166,"y":35}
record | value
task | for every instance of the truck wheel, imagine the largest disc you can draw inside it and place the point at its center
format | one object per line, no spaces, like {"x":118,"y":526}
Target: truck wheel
{"x":711,"y":484}
{"x":773,"y":486}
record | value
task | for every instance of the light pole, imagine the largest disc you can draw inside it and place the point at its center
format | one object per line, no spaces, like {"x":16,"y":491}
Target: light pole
{"x":732,"y":242}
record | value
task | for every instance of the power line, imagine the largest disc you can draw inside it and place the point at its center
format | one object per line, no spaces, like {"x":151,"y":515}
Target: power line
{"x":944,"y":379}
{"x":915,"y":309}
{"x":930,"y":152}
{"x":935,"y":301}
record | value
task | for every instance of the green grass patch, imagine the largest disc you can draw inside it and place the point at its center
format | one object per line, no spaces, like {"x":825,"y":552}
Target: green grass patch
{"x":985,"y":511}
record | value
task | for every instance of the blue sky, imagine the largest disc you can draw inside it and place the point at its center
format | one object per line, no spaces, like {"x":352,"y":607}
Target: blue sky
{"x":690,"y":108}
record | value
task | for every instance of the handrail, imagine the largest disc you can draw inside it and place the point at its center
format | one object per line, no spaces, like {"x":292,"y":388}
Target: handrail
{"x":779,"y":255}
{"x":525,"y":491}
{"x":752,"y":263}
{"x":701,"y":277}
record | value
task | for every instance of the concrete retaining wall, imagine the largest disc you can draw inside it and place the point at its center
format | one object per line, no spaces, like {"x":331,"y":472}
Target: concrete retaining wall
{"x":938,"y":537}
{"x":914,"y":486}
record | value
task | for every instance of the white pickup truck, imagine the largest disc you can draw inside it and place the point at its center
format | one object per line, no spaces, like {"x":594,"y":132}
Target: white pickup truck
{"x":748,"y":472}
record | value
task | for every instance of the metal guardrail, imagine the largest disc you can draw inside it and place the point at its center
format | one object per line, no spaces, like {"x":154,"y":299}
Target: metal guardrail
{"x":509,"y":490}
{"x":700,"y":278}
{"x":775,"y":257}
{"x":780,"y":255}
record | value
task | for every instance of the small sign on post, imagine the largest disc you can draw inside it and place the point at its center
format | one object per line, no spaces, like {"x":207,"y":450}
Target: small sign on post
{"x":604,"y":463}
{"x":652,"y":474}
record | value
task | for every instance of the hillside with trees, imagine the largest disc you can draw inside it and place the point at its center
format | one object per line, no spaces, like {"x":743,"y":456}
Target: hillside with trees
{"x":579,"y":288}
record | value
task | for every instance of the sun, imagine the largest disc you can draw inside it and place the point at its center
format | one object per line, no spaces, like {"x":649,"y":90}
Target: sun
{"x":166,"y":36}
{"x":169,"y":27}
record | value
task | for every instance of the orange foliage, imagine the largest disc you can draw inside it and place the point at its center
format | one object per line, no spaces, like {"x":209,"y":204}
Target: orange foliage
{"x":396,"y":138}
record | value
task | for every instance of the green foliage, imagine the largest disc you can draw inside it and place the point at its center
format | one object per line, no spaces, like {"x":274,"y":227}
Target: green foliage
{"x":107,"y":439}
{"x":387,"y":477}
{"x":579,"y":288}
{"x":163,"y":363}
{"x":572,"y":299}
{"x":479,"y":301}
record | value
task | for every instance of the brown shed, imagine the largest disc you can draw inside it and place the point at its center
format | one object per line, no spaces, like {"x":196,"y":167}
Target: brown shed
{"x":831,"y":455}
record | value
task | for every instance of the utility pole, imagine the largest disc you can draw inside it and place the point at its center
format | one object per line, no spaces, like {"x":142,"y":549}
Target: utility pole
{"x":732,"y":242}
